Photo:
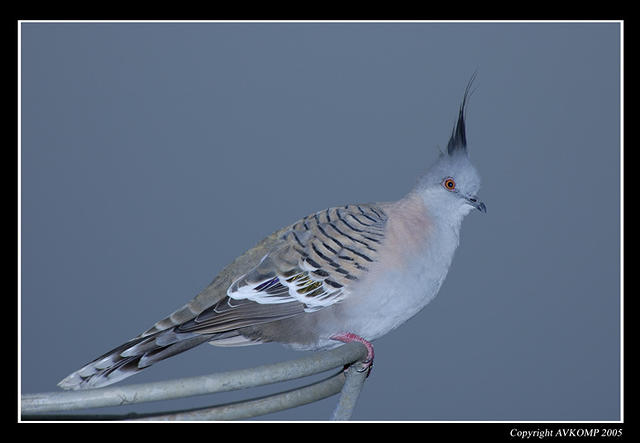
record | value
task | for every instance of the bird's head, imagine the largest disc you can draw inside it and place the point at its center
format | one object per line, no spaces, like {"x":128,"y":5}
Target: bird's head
{"x":451,"y":185}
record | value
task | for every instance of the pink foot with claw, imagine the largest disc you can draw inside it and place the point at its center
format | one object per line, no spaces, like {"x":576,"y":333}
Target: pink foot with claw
{"x":348,"y":337}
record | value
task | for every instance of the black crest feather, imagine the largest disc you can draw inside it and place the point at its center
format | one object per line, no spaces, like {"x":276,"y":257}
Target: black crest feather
{"x":458,"y":140}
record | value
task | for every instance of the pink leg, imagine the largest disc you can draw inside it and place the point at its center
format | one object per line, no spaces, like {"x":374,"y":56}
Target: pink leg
{"x":348,"y":337}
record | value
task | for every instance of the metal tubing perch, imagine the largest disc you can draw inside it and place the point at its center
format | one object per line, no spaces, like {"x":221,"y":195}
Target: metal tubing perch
{"x":349,"y":383}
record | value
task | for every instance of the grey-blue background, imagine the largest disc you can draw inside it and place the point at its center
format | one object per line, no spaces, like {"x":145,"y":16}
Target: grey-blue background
{"x":154,"y":154}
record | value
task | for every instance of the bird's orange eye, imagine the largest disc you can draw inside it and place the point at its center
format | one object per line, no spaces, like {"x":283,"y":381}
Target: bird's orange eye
{"x":449,"y":184}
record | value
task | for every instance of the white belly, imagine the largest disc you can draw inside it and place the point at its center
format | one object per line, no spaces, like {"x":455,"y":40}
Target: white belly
{"x":392,"y":301}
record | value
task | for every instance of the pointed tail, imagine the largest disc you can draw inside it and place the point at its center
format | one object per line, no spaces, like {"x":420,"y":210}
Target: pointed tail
{"x":132,"y":357}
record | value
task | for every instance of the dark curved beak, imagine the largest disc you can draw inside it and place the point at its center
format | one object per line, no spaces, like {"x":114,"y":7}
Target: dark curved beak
{"x":480,"y":206}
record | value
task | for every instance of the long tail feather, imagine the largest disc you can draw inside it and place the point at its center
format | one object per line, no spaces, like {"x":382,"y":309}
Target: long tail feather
{"x":132,"y":357}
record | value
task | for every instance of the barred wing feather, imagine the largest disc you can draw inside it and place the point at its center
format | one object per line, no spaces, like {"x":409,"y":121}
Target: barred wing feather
{"x":318,"y":257}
